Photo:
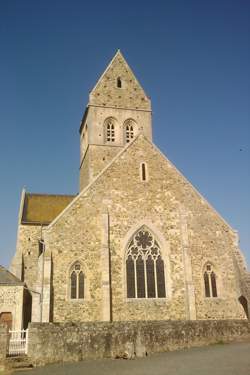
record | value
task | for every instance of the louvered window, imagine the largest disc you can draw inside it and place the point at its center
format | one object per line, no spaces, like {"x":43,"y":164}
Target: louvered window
{"x":76,"y":282}
{"x":129,"y":130}
{"x":210,"y":284}
{"x":145,"y":267}
{"x":109,"y":130}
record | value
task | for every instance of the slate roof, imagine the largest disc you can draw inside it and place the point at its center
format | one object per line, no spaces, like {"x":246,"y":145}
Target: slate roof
{"x":7,"y":278}
{"x":43,"y":208}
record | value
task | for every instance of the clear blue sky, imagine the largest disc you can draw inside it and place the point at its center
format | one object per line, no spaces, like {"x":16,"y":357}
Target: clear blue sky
{"x":192,"y":58}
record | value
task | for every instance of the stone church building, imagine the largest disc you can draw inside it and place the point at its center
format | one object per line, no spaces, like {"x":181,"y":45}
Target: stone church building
{"x":138,"y":242}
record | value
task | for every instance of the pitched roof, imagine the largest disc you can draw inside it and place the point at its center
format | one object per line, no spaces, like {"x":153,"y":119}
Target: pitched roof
{"x":43,"y":208}
{"x":7,"y":278}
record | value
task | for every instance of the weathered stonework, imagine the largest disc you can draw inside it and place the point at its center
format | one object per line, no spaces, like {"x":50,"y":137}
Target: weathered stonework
{"x":49,"y":343}
{"x":11,"y":301}
{"x":114,"y":202}
{"x":3,"y":344}
{"x":120,"y":193}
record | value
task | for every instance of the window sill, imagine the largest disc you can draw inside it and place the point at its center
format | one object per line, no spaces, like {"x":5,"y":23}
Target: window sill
{"x":213,"y":299}
{"x":79,"y":300}
{"x":147,"y":300}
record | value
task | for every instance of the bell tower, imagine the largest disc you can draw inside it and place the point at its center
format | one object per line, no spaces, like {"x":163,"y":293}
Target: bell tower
{"x":117,"y":111}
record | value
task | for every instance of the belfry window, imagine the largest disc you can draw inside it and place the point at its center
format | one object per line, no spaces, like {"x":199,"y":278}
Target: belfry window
{"x":145,"y":273}
{"x":210,"y":284}
{"x":129,"y":130}
{"x":109,"y":128}
{"x":76,"y":282}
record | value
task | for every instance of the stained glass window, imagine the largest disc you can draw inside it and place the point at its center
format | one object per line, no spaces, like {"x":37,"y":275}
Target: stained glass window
{"x":145,"y":267}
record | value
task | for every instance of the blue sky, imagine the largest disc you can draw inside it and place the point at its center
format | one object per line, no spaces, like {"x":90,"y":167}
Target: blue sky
{"x":192,"y":58}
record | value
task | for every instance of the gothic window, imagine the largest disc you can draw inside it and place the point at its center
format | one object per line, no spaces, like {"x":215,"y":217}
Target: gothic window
{"x":76,"y":282}
{"x":210,"y":284}
{"x":119,"y":83}
{"x":144,"y":267}
{"x":129,"y":130}
{"x":109,"y":129}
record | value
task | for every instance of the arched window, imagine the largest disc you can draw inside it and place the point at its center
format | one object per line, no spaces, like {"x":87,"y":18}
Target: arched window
{"x":119,"y":83}
{"x":210,"y":284}
{"x":76,"y":282}
{"x":129,"y":130}
{"x":145,"y":273}
{"x":109,"y":129}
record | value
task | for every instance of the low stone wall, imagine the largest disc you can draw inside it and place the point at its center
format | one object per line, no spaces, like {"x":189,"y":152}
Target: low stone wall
{"x":3,"y":342}
{"x":67,"y":342}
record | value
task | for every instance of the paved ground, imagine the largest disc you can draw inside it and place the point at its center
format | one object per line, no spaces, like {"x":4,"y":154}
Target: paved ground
{"x":221,"y":359}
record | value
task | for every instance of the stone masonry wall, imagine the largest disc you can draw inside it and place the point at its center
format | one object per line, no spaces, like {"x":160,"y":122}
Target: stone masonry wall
{"x":3,"y":342}
{"x":181,"y":219}
{"x":69,"y":342}
{"x":106,"y":92}
{"x":11,"y":300}
{"x":28,"y":248}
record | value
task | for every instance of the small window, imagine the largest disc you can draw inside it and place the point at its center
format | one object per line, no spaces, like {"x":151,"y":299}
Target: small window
{"x":76,"y":282}
{"x":143,"y":172}
{"x":41,"y":247}
{"x":119,"y":83}
{"x":210,"y":283}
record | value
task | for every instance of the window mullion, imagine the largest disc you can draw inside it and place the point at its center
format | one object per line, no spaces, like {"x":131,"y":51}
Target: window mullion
{"x":77,"y":285}
{"x":146,"y":278}
{"x":210,"y":284}
{"x":156,"y":286}
{"x":135,"y":278}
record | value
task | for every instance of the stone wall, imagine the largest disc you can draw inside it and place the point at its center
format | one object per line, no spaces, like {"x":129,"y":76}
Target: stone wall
{"x":3,"y":342}
{"x":59,"y":342}
{"x":189,"y":231}
{"x":11,"y":300}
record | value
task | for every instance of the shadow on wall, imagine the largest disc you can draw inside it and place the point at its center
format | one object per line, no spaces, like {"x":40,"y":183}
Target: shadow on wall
{"x":244,"y":304}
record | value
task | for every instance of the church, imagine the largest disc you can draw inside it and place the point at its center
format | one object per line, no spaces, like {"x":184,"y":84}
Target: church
{"x":138,"y":242}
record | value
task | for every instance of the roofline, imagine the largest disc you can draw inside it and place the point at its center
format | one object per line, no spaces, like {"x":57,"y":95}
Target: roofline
{"x":16,"y":281}
{"x":114,"y":159}
{"x":51,"y":195}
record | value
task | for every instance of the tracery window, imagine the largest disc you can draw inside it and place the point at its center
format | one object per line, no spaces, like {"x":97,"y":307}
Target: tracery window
{"x":144,"y":267}
{"x":76,"y":282}
{"x":210,"y":283}
{"x":109,"y":129}
{"x":129,"y":130}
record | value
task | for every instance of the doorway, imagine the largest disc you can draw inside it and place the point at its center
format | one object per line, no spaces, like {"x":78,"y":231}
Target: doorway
{"x":6,"y":318}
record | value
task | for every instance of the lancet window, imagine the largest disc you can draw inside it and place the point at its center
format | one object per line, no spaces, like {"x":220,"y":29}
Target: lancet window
{"x":210,"y":283}
{"x":145,"y":273}
{"x":129,"y":130}
{"x":76,"y":282}
{"x":109,"y":129}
